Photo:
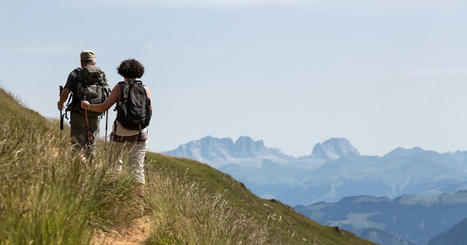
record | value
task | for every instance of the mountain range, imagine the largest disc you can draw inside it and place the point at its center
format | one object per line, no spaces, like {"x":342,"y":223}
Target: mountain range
{"x":454,"y":236}
{"x":332,"y":171}
{"x":383,"y":238}
{"x":222,"y":151}
{"x":246,"y":152}
{"x":408,"y":219}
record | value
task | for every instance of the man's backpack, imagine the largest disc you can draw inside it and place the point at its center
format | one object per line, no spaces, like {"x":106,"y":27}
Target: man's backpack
{"x":92,"y":86}
{"x":134,"y":107}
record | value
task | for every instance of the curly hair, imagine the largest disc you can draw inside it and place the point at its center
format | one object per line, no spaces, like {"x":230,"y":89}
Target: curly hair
{"x":131,"y":68}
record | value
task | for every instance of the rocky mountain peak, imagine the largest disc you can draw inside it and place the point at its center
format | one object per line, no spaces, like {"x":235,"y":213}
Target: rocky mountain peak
{"x":334,"y":148}
{"x":219,"y":151}
{"x":247,"y":147}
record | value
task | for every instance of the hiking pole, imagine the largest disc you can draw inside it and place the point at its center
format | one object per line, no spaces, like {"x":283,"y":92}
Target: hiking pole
{"x":86,"y":122}
{"x":106,"y":126}
{"x":88,"y":133}
{"x":60,"y":88}
{"x":88,"y":136}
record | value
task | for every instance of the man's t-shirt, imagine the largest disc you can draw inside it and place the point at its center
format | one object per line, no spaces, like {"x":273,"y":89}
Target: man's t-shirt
{"x":72,"y":80}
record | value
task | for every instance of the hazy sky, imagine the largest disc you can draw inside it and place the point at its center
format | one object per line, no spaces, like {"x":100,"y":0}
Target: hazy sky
{"x":381,"y":73}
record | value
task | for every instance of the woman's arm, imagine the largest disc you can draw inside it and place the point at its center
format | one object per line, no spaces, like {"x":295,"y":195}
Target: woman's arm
{"x":113,"y":97}
{"x":149,"y":97}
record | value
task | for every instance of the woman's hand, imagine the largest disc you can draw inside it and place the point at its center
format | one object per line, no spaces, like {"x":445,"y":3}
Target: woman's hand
{"x":84,"y":104}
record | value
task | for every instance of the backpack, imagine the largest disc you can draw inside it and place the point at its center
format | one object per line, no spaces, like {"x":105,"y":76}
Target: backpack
{"x":91,"y":86}
{"x":134,"y":106}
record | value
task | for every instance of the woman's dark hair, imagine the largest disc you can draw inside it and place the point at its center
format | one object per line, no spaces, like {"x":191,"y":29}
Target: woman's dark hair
{"x":131,"y":68}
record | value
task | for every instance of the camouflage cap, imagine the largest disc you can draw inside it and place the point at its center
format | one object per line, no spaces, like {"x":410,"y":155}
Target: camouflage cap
{"x":88,"y":55}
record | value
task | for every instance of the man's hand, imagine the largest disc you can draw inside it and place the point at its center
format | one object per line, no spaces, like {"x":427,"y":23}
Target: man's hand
{"x":63,"y":97}
{"x":59,"y":106}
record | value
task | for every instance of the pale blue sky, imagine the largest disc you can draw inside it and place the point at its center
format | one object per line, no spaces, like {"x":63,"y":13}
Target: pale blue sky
{"x":294,"y":73}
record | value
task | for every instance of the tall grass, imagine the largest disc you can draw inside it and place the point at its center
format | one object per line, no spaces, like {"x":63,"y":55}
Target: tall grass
{"x":48,"y":195}
{"x":185,"y":213}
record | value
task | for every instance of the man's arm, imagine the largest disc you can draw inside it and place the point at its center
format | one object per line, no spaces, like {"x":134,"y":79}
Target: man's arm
{"x":63,"y":97}
{"x":69,"y":86}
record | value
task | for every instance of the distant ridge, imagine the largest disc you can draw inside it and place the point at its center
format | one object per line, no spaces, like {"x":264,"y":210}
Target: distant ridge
{"x":457,"y":235}
{"x":220,"y":151}
{"x":413,"y":218}
{"x":334,"y":169}
{"x":383,"y":238}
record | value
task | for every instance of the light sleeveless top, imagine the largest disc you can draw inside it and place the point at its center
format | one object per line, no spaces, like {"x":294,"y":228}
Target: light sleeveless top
{"x":122,"y":134}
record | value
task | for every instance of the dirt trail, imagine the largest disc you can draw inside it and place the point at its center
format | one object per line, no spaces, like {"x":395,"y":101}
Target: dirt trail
{"x":135,"y":234}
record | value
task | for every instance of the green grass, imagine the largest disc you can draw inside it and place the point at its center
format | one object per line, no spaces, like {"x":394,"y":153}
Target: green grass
{"x":282,"y":224}
{"x":49,"y":196}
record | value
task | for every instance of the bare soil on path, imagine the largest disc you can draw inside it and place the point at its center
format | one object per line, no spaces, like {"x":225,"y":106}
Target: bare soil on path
{"x":135,"y":234}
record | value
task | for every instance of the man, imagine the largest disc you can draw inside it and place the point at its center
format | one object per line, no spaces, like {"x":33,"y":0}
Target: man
{"x":84,"y":126}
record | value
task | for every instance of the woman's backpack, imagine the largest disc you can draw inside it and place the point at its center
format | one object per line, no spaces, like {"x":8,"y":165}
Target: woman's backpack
{"x":134,"y":107}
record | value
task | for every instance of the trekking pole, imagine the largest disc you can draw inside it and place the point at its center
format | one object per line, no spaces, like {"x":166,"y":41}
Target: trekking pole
{"x":60,"y":88}
{"x":106,"y":126}
{"x":88,"y":134}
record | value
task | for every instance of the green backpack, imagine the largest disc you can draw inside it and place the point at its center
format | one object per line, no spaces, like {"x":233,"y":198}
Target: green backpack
{"x":92,"y":86}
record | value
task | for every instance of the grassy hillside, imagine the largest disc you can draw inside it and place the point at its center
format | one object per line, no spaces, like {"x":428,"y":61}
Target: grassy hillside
{"x":48,"y":195}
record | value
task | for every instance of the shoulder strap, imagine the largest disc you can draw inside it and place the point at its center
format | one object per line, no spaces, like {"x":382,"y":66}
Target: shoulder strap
{"x":103,"y":78}
{"x":81,"y":75}
{"x":74,"y":96}
{"x":121,"y":86}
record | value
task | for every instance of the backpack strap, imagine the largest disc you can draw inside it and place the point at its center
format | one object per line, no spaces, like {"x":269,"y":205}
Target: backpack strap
{"x":125,"y":88}
{"x":121,"y":86}
{"x":74,"y":89}
{"x":68,"y":107}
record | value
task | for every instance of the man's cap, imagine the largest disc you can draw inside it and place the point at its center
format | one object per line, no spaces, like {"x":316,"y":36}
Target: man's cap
{"x":88,"y":55}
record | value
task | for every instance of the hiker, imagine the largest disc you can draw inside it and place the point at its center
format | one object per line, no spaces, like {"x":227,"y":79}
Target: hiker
{"x":134,"y":110}
{"x":86,"y":82}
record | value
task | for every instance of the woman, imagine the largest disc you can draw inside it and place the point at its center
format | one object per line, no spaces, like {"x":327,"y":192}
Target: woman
{"x":126,"y":139}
